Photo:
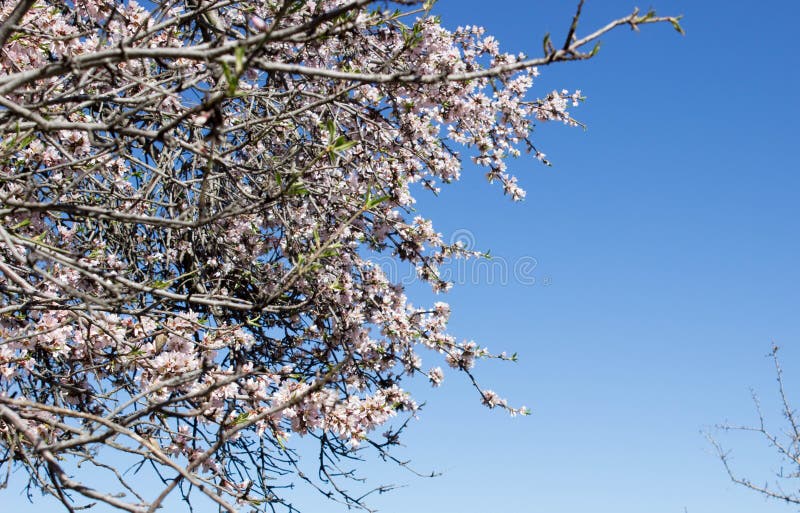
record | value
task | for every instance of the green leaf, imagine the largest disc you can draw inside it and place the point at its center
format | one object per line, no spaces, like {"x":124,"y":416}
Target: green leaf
{"x":331,"y":128}
{"x":227,"y":72}
{"x":26,"y":141}
{"x":297,"y":188}
{"x":342,"y":144}
{"x":239,"y":54}
{"x":21,"y":224}
{"x":333,"y":250}
{"x":231,"y":78}
{"x":677,"y":26}
{"x":373,"y":202}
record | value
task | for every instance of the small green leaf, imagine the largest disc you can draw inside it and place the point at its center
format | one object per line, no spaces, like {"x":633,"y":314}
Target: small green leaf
{"x":239,"y":54}
{"x":241,"y":418}
{"x":373,"y":202}
{"x":331,"y":251}
{"x":231,"y":78}
{"x":227,"y":72}
{"x":331,"y":128}
{"x":297,"y":188}
{"x":342,"y":144}
{"x":21,"y":224}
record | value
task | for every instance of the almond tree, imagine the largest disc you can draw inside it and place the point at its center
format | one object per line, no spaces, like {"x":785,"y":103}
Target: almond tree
{"x":193,"y":194}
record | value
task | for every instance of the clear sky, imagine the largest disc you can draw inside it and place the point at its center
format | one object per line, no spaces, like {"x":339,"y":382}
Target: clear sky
{"x":666,"y":241}
{"x":666,"y":246}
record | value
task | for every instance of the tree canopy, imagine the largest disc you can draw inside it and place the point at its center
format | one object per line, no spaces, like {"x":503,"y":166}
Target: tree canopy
{"x":193,"y":194}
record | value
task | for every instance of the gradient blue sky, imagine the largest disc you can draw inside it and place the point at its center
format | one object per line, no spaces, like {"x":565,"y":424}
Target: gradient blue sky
{"x":668,"y":235}
{"x":667,"y":256}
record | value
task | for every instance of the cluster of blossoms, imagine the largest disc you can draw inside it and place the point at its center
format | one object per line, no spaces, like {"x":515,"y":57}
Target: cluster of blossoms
{"x":191,"y":193}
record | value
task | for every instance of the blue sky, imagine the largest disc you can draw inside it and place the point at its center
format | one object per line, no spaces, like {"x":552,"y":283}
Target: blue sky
{"x":666,"y":249}
{"x":666,"y":245}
